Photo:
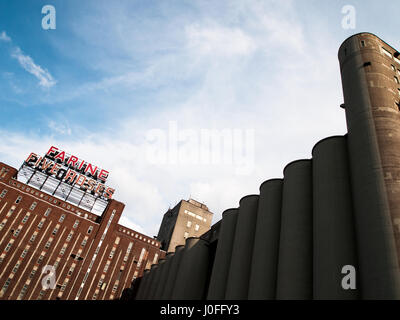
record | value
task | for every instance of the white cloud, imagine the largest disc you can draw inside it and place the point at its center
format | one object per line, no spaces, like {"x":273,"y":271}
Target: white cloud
{"x":45,"y":78}
{"x":4,"y":37}
{"x":60,"y":128}
{"x":218,"y":40}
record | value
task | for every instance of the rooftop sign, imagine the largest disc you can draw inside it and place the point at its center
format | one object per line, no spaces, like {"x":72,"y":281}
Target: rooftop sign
{"x":68,"y":177}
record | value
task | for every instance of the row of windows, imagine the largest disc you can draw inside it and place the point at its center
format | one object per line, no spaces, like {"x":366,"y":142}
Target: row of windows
{"x":3,"y":172}
{"x":131,"y":233}
{"x":47,"y":212}
{"x":195,"y":215}
{"x":189,"y":224}
{"x":389,"y":54}
{"x":51,"y":200}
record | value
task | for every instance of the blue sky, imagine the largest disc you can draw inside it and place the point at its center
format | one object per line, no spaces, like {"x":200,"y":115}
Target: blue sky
{"x":112,"y":71}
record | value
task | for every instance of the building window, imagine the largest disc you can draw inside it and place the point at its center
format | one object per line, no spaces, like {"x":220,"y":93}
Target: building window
{"x":155,"y":258}
{"x":33,"y":237}
{"x":33,"y":206}
{"x":189,"y":224}
{"x":6,"y":284}
{"x":90,"y":229}
{"x":16,"y":232}
{"x":186,"y":235}
{"x":106,"y":267}
{"x":48,"y":243}
{"x":25,"y":219}
{"x":3,"y":193}
{"x":40,"y":225}
{"x":70,"y":236}
{"x":55,"y":231}
{"x":9,"y":245}
{"x":62,"y":251}
{"x":18,"y":200}
{"x":393,"y":67}
{"x":39,"y":261}
{"x":76,"y":224}
{"x":386,"y":52}
{"x":197,"y":227}
{"x":16,"y":267}
{"x":32,"y":273}
{"x":10,"y":212}
{"x":71,"y":269}
{"x":396,"y":79}
{"x":23,"y":254}
{"x":142,"y":253}
{"x":48,"y":210}
{"x":84,"y":242}
{"x":362,"y":43}
{"x":23,"y":291}
{"x":62,"y":218}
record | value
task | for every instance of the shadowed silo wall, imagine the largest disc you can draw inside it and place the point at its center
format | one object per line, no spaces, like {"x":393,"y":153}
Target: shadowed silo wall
{"x":156,"y":281}
{"x":172,"y":273}
{"x":191,"y":279}
{"x":295,"y":249}
{"x":264,"y":263}
{"x":163,"y":277}
{"x":142,"y":286}
{"x":373,"y":122}
{"x":239,"y":271}
{"x":220,"y":271}
{"x":149,"y":284}
{"x":333,"y":231}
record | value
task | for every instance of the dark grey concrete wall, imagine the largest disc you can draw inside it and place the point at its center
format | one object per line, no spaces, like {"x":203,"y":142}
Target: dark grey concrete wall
{"x":334,"y":239}
{"x":156,"y":282}
{"x":239,"y":270}
{"x":142,"y":286}
{"x":264,"y":264}
{"x":191,"y":280}
{"x":175,"y":262}
{"x":164,"y":276}
{"x":295,"y":250}
{"x":220,"y":271}
{"x":152,"y":275}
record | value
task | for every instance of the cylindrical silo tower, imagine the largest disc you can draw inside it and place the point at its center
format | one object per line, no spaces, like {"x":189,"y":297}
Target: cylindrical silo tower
{"x":143,"y":284}
{"x":262,"y":284}
{"x":172,"y":273}
{"x":370,"y":79}
{"x":152,"y":292}
{"x":152,"y":274}
{"x":222,"y":260}
{"x":164,"y":276}
{"x":239,"y":271}
{"x":333,"y":227}
{"x":191,"y":279}
{"x":294,"y":278}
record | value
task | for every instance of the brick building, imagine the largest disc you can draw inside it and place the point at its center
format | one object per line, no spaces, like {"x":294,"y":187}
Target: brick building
{"x":187,"y":219}
{"x":87,"y":254}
